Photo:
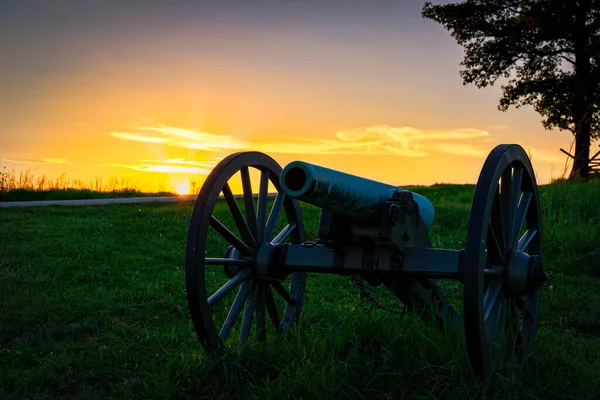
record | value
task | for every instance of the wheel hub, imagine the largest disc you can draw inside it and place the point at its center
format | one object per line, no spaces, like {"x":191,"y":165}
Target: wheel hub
{"x":523,"y":273}
{"x":233,"y":254}
{"x":262,"y":259}
{"x":536,"y":274}
{"x":265,"y":264}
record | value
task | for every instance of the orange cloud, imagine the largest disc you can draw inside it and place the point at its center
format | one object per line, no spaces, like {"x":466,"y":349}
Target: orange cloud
{"x":176,"y":165}
{"x":138,"y":138}
{"x":182,"y":161}
{"x":461,"y":150}
{"x":39,"y":160}
{"x":182,"y":138}
{"x":374,"y":140}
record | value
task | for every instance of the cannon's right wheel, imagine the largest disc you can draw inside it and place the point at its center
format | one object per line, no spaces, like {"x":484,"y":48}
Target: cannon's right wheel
{"x":228,"y":287}
{"x":502,"y":269}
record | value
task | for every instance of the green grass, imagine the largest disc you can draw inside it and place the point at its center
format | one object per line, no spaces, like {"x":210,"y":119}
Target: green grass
{"x":93,"y":306}
{"x":30,"y":186}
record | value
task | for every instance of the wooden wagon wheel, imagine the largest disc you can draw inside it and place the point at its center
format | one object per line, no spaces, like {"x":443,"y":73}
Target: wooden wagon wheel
{"x":214,"y":307}
{"x":502,"y":270}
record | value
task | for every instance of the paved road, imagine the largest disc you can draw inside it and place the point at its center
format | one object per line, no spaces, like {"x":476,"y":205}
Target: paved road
{"x":166,"y":199}
{"x":96,"y":201}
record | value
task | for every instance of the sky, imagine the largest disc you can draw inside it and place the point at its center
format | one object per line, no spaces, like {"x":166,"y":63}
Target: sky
{"x":156,"y":92}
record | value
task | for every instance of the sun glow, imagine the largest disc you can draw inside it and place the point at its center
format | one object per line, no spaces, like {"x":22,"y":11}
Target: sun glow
{"x":182,"y":188}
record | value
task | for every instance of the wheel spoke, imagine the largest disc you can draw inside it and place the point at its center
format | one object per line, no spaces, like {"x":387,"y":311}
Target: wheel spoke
{"x":274,"y":215}
{"x":283,"y":235}
{"x":235,"y":310}
{"x":520,"y":216}
{"x":260,"y":314}
{"x":512,"y":322}
{"x":491,"y":297}
{"x":505,"y":206}
{"x":248,"y":314}
{"x":496,"y":236}
{"x":529,"y":324}
{"x":262,"y":204}
{"x":495,"y":244}
{"x":230,"y":236}
{"x":510,"y":189}
{"x":532,"y":305}
{"x":282,"y":292}
{"x":493,"y":324}
{"x":514,"y":313}
{"x":528,"y":333}
{"x":249,"y":201}
{"x":229,"y":286}
{"x":528,"y":307}
{"x":526,"y":239}
{"x":501,"y":322}
{"x":517,"y":180}
{"x":236,"y":213}
{"x":227,"y":262}
{"x":272,"y":308}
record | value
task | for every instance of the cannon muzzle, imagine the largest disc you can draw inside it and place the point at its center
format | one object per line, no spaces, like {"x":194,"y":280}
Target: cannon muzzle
{"x":349,"y":195}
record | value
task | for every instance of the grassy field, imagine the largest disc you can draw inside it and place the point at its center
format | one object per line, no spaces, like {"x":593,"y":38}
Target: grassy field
{"x":28,"y":185}
{"x":93,"y":306}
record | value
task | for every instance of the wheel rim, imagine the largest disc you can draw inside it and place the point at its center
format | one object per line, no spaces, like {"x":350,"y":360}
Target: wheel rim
{"x":233,"y":297}
{"x":502,"y":273}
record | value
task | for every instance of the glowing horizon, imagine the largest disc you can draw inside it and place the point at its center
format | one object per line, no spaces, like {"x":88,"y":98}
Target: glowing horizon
{"x":180,"y":175}
{"x":158,"y":96}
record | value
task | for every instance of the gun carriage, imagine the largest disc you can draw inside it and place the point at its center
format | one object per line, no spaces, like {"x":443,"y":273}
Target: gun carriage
{"x":376,"y":231}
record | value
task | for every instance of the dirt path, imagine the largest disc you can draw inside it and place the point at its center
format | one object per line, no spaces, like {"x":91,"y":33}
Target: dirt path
{"x":165,"y":199}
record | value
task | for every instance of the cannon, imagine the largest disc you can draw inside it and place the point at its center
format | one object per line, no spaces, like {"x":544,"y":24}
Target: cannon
{"x":369,"y":229}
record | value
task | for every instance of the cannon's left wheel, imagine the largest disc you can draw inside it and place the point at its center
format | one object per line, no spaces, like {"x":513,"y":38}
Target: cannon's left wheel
{"x":229,"y":286}
{"x":502,"y":268}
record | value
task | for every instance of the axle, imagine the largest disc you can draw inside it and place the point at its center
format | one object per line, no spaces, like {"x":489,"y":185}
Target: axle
{"x":522,"y":273}
{"x":315,"y":257}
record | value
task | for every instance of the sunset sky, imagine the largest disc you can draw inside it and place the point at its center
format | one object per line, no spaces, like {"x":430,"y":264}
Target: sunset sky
{"x":160,"y":90}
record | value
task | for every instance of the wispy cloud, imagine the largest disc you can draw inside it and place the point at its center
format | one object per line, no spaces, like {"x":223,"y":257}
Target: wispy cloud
{"x":175,"y":165}
{"x":182,"y":138}
{"x":183,"y":161}
{"x":373,"y":140}
{"x":461,"y":149}
{"x":496,"y":127}
{"x":38,"y":160}
{"x":138,"y":138}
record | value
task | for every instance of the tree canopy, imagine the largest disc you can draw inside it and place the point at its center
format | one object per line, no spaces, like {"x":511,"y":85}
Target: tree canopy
{"x":546,"y":51}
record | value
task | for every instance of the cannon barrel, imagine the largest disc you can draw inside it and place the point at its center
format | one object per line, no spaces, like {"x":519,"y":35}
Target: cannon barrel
{"x":349,"y":195}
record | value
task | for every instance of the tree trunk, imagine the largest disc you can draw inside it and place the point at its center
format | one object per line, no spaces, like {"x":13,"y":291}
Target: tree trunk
{"x":583,"y":100}
{"x":581,"y":167}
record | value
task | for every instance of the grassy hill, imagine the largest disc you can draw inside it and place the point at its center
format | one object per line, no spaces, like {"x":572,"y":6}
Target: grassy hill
{"x":92,"y":305}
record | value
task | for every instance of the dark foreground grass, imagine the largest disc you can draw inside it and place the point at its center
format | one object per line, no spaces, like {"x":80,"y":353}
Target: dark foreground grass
{"x":92,"y":305}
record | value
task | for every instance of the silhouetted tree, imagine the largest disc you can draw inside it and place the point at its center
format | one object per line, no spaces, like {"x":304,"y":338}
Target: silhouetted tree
{"x":549,"y":50}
